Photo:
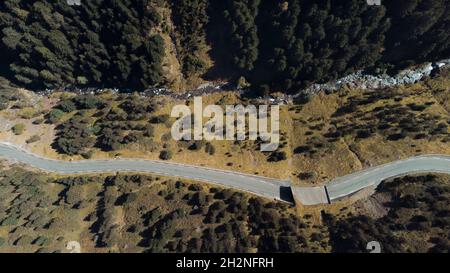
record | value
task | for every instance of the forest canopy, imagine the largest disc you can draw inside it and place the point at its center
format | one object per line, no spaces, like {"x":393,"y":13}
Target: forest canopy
{"x":51,"y":44}
{"x":277,"y":45}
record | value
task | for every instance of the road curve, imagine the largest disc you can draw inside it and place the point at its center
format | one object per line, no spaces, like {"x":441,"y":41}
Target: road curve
{"x":262,"y":186}
{"x":346,"y":185}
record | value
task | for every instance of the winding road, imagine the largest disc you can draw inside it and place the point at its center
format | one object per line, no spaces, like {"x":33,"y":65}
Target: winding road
{"x":262,"y":186}
{"x":345,"y":185}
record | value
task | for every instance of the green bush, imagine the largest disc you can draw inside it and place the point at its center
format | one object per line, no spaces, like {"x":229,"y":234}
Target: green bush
{"x":33,"y":138}
{"x":67,"y":106}
{"x":165,"y":155}
{"x":55,"y":115}
{"x":38,"y":121}
{"x":18,"y":129}
{"x":210,"y":149}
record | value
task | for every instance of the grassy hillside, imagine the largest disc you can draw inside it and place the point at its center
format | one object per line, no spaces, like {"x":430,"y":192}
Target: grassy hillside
{"x":328,"y":136}
{"x":352,"y":129}
{"x":134,"y":126}
{"x":137,"y":213}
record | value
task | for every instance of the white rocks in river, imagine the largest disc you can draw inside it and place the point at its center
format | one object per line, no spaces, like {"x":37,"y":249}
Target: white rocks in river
{"x":363,"y":81}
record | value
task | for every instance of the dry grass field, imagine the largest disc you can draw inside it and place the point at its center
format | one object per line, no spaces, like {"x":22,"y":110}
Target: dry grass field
{"x":340,"y":133}
{"x":328,"y":136}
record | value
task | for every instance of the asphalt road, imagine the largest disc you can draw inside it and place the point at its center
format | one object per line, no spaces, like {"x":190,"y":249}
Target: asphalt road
{"x":262,"y":186}
{"x":346,"y":185}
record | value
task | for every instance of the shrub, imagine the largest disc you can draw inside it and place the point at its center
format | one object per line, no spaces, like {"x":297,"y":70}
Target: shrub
{"x":165,"y":155}
{"x":302,"y":149}
{"x":198,"y":199}
{"x":277,"y":156}
{"x":67,"y":106}
{"x":38,"y":121}
{"x":307,"y":175}
{"x":196,"y":145}
{"x":263,"y":90}
{"x":41,"y":241}
{"x":28,"y":113}
{"x":18,"y":129}
{"x":23,"y":240}
{"x":88,"y":102}
{"x":397,"y":136}
{"x":74,"y":195}
{"x":160,"y":119}
{"x":210,"y":149}
{"x":363,"y":134}
{"x":33,"y":138}
{"x":87,"y":155}
{"x":55,"y":116}
{"x":126,"y":199}
{"x":148,"y":130}
{"x":10,"y":221}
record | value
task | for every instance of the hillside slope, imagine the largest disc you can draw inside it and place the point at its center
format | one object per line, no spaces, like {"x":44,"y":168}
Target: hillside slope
{"x":275,"y":45}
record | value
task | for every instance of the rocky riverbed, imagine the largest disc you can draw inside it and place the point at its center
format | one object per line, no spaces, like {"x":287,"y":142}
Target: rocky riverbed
{"x":367,"y":81}
{"x":359,"y":80}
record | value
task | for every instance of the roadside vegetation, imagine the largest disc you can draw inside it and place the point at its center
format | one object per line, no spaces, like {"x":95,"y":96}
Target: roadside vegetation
{"x":142,"y":213}
{"x":137,"y":213}
{"x":34,"y":215}
{"x":8,"y":94}
{"x":132,"y":125}
{"x":411,"y":214}
{"x":321,"y":137}
{"x":339,"y":133}
{"x":18,"y":128}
